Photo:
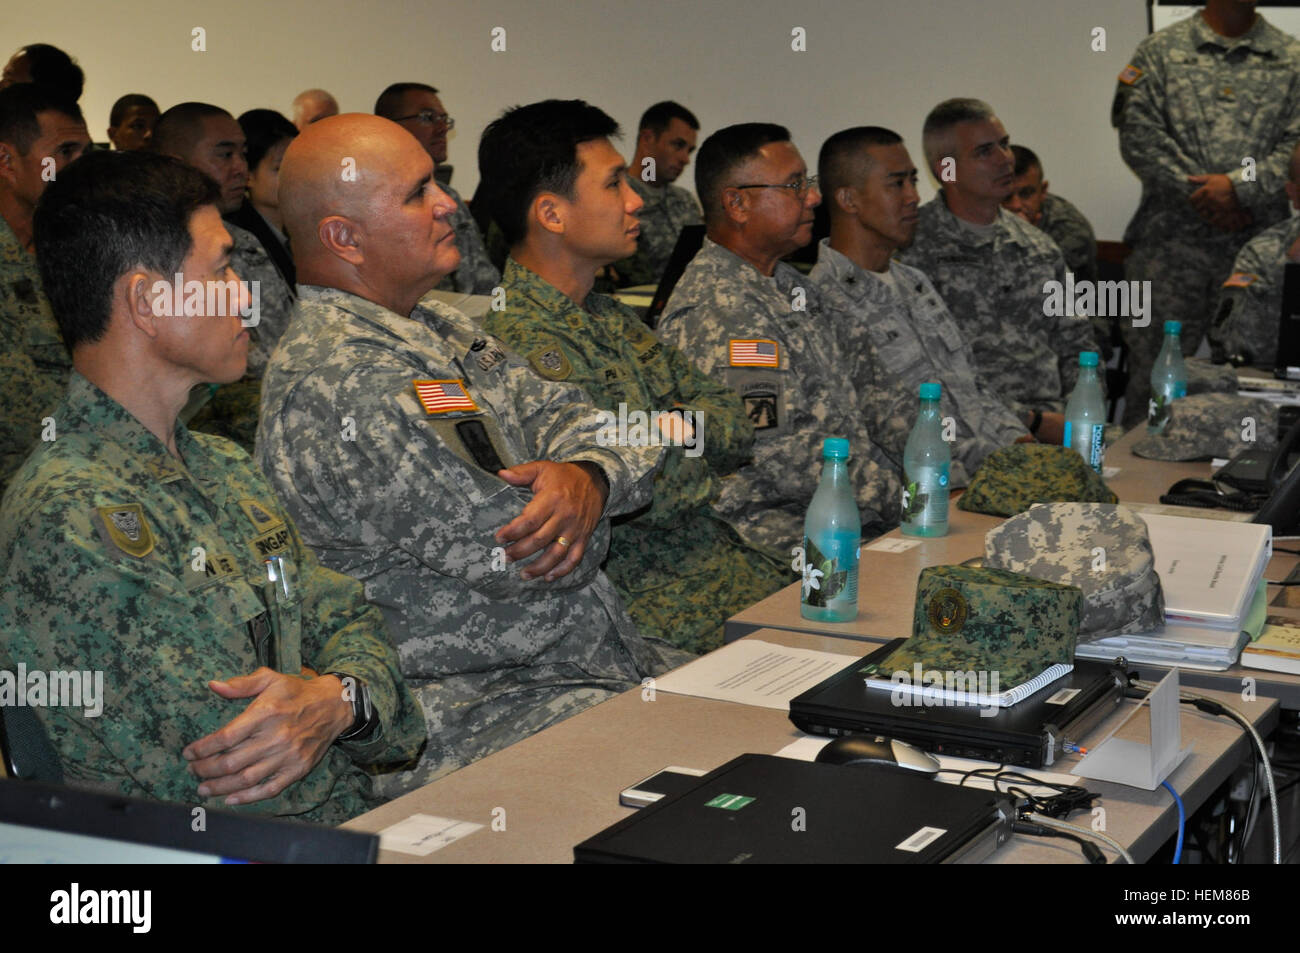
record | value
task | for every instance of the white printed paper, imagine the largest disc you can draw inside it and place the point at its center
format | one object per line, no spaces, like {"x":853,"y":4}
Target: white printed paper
{"x":893,"y":544}
{"x":753,"y":672}
{"x":422,"y":834}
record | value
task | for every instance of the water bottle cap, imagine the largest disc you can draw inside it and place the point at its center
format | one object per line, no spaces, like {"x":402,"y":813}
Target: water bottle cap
{"x":1088,"y":359}
{"x":835,"y":448}
{"x":1173,"y":327}
{"x":931,"y":391}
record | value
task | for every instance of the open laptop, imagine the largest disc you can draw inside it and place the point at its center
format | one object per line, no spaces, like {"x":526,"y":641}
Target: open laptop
{"x":46,"y":823}
{"x":689,"y":242}
{"x":748,"y":812}
{"x":1030,"y":733}
{"x":1287,"y":363}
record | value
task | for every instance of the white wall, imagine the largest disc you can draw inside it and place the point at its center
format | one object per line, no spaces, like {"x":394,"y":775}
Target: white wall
{"x":867,"y":62}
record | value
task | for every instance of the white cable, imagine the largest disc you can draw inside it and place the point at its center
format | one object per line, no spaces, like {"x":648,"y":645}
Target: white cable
{"x":1263,"y":757}
{"x":1086,"y":832}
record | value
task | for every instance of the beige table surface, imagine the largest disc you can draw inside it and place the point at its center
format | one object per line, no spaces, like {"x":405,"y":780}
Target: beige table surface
{"x":887,"y":581}
{"x":561,"y":786}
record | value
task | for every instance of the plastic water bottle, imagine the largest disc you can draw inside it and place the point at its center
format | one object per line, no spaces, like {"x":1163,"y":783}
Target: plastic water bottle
{"x":1168,"y":378}
{"x":926,"y":460}
{"x":1085,"y":413}
{"x":832,"y":540}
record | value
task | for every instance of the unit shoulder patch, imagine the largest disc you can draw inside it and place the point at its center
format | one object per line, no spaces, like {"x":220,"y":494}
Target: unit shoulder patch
{"x":551,"y":362}
{"x":124,"y":527}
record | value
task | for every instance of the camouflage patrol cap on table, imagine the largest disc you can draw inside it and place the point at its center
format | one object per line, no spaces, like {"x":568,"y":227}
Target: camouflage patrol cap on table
{"x":1206,"y":378}
{"x":1105,"y":550}
{"x":1212,"y":425}
{"x":1015,"y":478}
{"x":973,"y":617}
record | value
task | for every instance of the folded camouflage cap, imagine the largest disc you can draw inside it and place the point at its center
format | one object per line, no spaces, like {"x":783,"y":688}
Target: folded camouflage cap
{"x":1206,"y":378}
{"x":1103,"y":549}
{"x":972,"y":617}
{"x":1016,"y":477}
{"x":1203,"y":426}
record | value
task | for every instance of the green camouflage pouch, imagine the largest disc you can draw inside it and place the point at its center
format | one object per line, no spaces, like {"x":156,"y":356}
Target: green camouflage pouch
{"x":969,"y":618}
{"x":1016,"y":477}
{"x":1105,"y":550}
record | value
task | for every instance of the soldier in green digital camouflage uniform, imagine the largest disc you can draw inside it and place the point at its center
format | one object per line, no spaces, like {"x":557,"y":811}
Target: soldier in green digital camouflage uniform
{"x":756,"y":324}
{"x":208,"y":138}
{"x":1208,"y":112}
{"x":990,"y":267}
{"x":470,"y":495}
{"x":417,"y":108}
{"x":236,"y":670}
{"x":664,"y":142}
{"x":39,"y":135}
{"x":679,"y":567}
{"x":1250,"y":301}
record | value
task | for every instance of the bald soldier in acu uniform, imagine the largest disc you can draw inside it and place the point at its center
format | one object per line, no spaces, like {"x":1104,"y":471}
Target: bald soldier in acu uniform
{"x":469,"y":495}
{"x":564,"y":201}
{"x":234,"y":665}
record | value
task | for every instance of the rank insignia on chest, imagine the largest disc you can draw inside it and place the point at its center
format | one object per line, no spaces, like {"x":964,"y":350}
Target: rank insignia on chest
{"x":1129,"y":75}
{"x":754,"y":353}
{"x":261,"y":516}
{"x":550,"y":362}
{"x":439,"y":397}
{"x":125,"y":528}
{"x":1240,"y":279}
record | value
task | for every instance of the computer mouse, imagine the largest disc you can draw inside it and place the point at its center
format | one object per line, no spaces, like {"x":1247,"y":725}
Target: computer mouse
{"x":887,"y":753}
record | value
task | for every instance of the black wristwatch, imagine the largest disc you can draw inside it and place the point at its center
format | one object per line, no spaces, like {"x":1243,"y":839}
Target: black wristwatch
{"x":364,"y":717}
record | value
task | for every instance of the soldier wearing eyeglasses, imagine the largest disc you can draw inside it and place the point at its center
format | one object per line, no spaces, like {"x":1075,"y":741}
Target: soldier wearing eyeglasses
{"x":754,"y":322}
{"x":417,"y":108}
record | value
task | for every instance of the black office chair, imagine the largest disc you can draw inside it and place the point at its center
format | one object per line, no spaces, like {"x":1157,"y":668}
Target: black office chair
{"x":28,"y":754}
{"x":1110,"y":267}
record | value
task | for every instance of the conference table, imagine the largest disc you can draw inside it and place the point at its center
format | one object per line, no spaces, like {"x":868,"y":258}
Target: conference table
{"x":538,"y":798}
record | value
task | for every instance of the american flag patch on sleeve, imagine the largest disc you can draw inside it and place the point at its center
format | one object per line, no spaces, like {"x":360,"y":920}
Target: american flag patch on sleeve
{"x":1129,"y":75}
{"x":441,"y":396}
{"x":1240,"y":279}
{"x":751,"y":353}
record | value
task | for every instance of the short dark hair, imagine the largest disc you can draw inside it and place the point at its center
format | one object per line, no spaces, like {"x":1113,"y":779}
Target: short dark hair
{"x":55,"y":70}
{"x":941,"y":120}
{"x":177,"y":128}
{"x":389,"y":102}
{"x":726,"y":149}
{"x":105,"y":214}
{"x":129,"y":101}
{"x":20,"y":109}
{"x":533,"y":149}
{"x":841,"y":161}
{"x":264,"y":128}
{"x":1025,"y":160}
{"x":658,"y":117}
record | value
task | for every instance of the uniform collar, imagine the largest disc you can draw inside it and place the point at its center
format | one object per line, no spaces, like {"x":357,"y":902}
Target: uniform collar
{"x":1260,"y":37}
{"x":521,"y":279}
{"x":431,"y":314}
{"x":850,"y":277}
{"x":88,"y":409}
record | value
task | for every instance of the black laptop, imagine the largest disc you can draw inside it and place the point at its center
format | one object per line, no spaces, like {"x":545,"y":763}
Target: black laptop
{"x":1030,"y":733}
{"x":689,"y":242}
{"x":1287,"y":364}
{"x":761,"y":809}
{"x":47,"y":823}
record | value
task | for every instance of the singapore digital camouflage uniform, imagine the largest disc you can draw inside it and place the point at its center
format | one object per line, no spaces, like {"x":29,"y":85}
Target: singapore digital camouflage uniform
{"x":1059,"y":542}
{"x":117,"y":557}
{"x":905,"y":327}
{"x":667,"y":210}
{"x":681,"y":570}
{"x":1192,"y":102}
{"x":992,"y":281}
{"x":27,"y":395}
{"x":1250,"y":301}
{"x":390,"y":493}
{"x":796,"y":389}
{"x":232,"y":409}
{"x":1073,"y":234}
{"x":24,"y":308}
{"x":475,"y":274}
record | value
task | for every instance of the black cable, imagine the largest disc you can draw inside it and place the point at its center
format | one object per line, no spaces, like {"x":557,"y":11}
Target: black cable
{"x":1091,"y":852}
{"x":1289,"y":582}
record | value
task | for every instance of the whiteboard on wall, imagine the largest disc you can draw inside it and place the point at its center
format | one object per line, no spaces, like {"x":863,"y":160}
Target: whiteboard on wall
{"x":1284,"y":16}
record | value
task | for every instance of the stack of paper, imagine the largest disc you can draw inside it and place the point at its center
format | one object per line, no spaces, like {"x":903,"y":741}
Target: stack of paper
{"x":1210,"y":571}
